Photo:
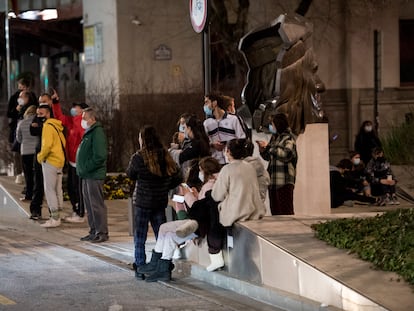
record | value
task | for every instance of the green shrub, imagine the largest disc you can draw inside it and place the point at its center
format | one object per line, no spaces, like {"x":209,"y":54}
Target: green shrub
{"x":386,"y":240}
{"x":398,"y":145}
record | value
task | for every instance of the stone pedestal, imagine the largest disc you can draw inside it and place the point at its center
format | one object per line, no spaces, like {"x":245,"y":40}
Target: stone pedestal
{"x":312,"y":189}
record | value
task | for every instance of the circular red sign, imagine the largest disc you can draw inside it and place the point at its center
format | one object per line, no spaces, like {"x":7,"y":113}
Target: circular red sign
{"x":198,"y":14}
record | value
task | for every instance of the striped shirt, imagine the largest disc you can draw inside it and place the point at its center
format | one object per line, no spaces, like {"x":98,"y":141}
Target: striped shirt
{"x":282,"y":156}
{"x":223,"y":130}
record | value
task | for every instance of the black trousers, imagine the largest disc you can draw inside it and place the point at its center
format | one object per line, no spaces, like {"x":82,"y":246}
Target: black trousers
{"x":38,"y":191}
{"x":216,"y":232}
{"x":75,"y":191}
{"x":27,"y":163}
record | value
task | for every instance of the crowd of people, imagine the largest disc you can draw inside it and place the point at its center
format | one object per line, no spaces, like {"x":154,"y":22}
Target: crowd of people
{"x":366,"y":176}
{"x":44,"y":141}
{"x":209,"y":170}
{"x":209,"y":164}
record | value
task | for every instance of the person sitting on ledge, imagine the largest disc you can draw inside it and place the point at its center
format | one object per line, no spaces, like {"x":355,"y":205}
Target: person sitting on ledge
{"x":341,"y":194}
{"x":177,"y":232}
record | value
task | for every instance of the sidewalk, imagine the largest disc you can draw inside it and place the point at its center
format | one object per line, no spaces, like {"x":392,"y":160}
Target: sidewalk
{"x":120,"y":246}
{"x":290,"y":233}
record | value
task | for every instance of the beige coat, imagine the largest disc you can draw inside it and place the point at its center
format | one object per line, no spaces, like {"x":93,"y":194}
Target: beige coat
{"x":237,"y":189}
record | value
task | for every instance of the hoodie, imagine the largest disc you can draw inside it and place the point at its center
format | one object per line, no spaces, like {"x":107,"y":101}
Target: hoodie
{"x":53,"y":144}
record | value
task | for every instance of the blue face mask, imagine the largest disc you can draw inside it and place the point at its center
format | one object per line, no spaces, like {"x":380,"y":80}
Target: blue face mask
{"x":272,"y":130}
{"x":181,"y":128}
{"x":208,"y":111}
{"x":73,"y":112}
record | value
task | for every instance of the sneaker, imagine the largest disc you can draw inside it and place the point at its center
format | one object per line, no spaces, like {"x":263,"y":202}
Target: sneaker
{"x":24,"y":199}
{"x":51,"y":223}
{"x":381,"y":201}
{"x":388,"y":199}
{"x":75,"y":219}
{"x":348,"y":203}
{"x":35,"y":217}
{"x":177,"y":253}
{"x":395,"y":199}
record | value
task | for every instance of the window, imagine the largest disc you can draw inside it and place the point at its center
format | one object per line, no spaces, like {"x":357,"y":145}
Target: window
{"x":407,"y":52}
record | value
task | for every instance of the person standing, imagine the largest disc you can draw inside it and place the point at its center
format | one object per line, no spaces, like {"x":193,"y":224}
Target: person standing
{"x":366,"y":140}
{"x":220,"y":126}
{"x":74,"y":137}
{"x":155,"y":173}
{"x":91,"y":160}
{"x":281,"y":153}
{"x":28,"y":144}
{"x":52,"y":159}
{"x":38,"y":192}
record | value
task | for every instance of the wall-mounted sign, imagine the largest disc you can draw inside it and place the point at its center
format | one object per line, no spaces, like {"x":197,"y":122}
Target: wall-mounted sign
{"x":198,"y":14}
{"x":162,"y":52}
{"x":93,"y":44}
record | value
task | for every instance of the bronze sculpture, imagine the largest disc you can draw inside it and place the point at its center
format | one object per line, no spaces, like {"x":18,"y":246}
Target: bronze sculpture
{"x":282,"y":74}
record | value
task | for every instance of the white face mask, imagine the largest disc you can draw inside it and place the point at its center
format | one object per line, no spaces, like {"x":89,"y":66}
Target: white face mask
{"x":368,"y":128}
{"x":84,"y":124}
{"x":20,"y":101}
{"x":201,"y":176}
{"x":356,"y":161}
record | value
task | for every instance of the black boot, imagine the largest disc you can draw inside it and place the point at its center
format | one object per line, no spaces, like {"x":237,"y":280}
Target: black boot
{"x":163,"y":272}
{"x":152,"y":265}
{"x":139,"y":276}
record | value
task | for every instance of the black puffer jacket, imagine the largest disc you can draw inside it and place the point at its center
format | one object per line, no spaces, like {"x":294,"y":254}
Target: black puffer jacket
{"x":151,"y":191}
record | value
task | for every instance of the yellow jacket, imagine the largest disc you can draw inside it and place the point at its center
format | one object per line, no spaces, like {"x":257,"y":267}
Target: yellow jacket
{"x":53,"y":142}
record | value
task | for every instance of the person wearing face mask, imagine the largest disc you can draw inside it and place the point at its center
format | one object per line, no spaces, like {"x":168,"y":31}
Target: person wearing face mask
{"x":281,"y":153}
{"x":383,"y":181}
{"x":220,"y":125}
{"x":91,"y":160}
{"x":341,"y":193}
{"x":366,"y":140}
{"x":174,"y":233}
{"x":23,"y":84}
{"x":28,"y":145}
{"x":357,"y":175}
{"x":52,"y":158}
{"x":74,"y":133}
{"x":237,"y":190}
{"x":196,"y":148}
{"x":36,"y":128}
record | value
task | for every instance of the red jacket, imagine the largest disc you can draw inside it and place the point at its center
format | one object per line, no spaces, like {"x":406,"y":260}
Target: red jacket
{"x":74,"y":131}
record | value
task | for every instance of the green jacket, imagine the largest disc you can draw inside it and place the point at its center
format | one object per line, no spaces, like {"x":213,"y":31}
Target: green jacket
{"x":92,"y":154}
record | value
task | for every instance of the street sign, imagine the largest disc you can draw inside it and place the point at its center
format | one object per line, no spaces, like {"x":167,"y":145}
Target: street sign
{"x":198,"y":14}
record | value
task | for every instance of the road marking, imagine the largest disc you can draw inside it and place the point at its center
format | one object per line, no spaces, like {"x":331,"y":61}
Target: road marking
{"x":6,"y":301}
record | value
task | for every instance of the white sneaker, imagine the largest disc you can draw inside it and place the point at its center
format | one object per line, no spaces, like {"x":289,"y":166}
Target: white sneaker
{"x":51,"y":223}
{"x":75,"y":218}
{"x":177,"y":253}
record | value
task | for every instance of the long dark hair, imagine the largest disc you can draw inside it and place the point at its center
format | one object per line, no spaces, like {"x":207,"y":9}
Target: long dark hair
{"x":199,"y":134}
{"x":155,"y":155}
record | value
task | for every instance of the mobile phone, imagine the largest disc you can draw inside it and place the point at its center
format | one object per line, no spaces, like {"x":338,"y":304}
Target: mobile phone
{"x":184,"y":185}
{"x":178,"y":198}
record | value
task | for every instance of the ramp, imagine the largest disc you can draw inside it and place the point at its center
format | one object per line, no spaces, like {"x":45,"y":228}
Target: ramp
{"x":277,"y":260}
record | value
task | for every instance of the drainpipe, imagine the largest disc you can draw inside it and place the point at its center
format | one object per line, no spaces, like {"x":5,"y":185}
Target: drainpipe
{"x":7,"y":37}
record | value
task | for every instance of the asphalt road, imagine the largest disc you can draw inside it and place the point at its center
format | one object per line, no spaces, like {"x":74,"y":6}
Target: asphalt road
{"x":50,"y":269}
{"x":39,"y":275}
